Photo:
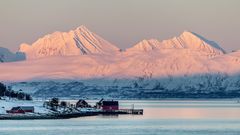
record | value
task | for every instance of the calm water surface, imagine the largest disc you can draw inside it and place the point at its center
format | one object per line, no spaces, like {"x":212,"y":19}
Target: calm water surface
{"x":160,"y":118}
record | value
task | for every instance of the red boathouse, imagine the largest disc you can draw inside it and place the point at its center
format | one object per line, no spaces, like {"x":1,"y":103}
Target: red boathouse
{"x":107,"y":105}
{"x":110,"y":105}
{"x":21,"y":109}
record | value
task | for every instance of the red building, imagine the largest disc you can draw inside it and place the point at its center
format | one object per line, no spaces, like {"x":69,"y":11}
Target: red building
{"x":21,"y":109}
{"x":110,"y":105}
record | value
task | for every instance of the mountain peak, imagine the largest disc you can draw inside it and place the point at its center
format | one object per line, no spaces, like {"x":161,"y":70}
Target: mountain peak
{"x":80,"y":41}
{"x":83,"y":28}
{"x":145,"y":45}
{"x":187,"y":40}
{"x":196,"y":40}
{"x":188,"y":34}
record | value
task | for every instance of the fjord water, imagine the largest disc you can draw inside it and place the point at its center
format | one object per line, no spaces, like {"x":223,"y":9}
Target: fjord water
{"x":163,"y":117}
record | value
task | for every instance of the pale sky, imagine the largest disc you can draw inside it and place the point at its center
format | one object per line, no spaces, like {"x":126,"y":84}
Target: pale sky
{"x":122,"y":22}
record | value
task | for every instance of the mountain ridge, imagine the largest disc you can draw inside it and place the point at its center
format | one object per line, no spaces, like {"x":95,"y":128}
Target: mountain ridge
{"x":187,"y":40}
{"x":81,"y":54}
{"x":79,"y":62}
{"x":82,"y":41}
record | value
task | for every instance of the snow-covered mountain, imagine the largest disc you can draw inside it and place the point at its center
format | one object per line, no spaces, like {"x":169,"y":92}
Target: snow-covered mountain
{"x":187,"y":40}
{"x":198,"y":86}
{"x":80,"y":41}
{"x":7,"y":56}
{"x":154,"y":64}
{"x":62,"y":57}
{"x":187,"y":64}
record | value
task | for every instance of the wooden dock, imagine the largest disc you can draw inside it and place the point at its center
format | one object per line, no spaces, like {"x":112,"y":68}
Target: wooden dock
{"x":123,"y":111}
{"x":132,"y":111}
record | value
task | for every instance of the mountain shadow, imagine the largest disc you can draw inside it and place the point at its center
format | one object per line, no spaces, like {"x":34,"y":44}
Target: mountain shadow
{"x":195,"y":86}
{"x":8,"y":56}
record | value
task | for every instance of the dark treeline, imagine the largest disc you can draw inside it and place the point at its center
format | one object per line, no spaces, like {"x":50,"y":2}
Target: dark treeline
{"x":8,"y":92}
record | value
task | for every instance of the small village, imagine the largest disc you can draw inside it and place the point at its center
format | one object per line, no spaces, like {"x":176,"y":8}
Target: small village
{"x":65,"y":110}
{"x":17,"y":105}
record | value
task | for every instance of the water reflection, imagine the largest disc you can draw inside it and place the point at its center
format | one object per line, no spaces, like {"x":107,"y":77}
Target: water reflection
{"x":192,"y":113}
{"x":160,"y":118}
{"x":170,"y":109}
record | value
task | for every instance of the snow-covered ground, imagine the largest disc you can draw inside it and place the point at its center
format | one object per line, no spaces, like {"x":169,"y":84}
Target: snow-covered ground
{"x":7,"y":104}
